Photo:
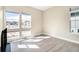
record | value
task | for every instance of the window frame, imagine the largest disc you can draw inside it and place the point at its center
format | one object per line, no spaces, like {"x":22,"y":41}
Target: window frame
{"x":74,"y":11}
{"x":20,"y":21}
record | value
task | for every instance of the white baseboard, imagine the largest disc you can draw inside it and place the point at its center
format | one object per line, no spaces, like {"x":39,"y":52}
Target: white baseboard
{"x":63,"y":38}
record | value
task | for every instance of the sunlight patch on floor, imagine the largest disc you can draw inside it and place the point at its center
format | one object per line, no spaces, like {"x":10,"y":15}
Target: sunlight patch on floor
{"x":22,"y":46}
{"x":33,"y":46}
{"x":33,"y":40}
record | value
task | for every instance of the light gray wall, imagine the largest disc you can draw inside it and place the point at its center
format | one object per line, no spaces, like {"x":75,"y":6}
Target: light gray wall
{"x":56,"y":23}
{"x":56,"y":20}
{"x":36,"y":17}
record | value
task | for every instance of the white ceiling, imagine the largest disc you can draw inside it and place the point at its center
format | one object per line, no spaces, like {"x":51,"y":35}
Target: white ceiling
{"x":43,"y":8}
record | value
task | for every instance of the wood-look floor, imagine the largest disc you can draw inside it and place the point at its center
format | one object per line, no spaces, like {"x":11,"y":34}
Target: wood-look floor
{"x":44,"y":44}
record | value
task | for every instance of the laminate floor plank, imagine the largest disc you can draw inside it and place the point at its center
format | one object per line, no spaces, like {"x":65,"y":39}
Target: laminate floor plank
{"x":44,"y":44}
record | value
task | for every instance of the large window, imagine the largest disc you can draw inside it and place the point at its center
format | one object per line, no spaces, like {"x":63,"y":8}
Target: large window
{"x":12,"y":24}
{"x":74,"y":20}
{"x":18,"y":24}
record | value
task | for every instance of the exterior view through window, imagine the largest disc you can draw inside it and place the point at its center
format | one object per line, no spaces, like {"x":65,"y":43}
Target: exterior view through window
{"x":18,"y":24}
{"x":26,"y":24}
{"x":74,"y":14}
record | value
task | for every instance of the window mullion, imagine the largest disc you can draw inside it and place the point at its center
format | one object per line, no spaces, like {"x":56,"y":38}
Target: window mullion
{"x":20,"y":25}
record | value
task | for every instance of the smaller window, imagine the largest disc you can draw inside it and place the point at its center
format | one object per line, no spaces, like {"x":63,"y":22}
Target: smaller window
{"x":74,"y":21}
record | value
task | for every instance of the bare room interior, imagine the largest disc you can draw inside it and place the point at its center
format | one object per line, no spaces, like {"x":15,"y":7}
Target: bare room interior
{"x":39,"y":28}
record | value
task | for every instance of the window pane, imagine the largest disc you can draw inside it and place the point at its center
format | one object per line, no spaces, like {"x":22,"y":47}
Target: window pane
{"x":73,"y":30}
{"x":26,"y":25}
{"x":77,"y":30}
{"x":26,"y":21}
{"x":73,"y":14}
{"x":77,"y":24}
{"x":74,"y":21}
{"x":12,"y":20}
{"x":12,"y":36}
{"x":26,"y":33}
{"x":72,"y":24}
{"x":77,"y":17}
{"x":73,"y":18}
{"x":77,"y":13}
